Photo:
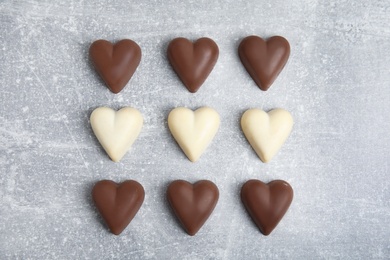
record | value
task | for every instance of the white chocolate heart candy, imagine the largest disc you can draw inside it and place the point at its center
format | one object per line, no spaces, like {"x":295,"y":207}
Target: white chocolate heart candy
{"x":193,"y":130}
{"x":116,"y":130}
{"x":266,"y":132}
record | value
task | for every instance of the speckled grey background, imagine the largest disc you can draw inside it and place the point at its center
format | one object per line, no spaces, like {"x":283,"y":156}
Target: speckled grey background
{"x":336,"y":85}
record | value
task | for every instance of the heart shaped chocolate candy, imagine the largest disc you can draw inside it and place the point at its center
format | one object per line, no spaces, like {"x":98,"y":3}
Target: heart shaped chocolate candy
{"x":115,"y":63}
{"x":264,"y":60}
{"x":116,"y":130}
{"x":193,"y":62}
{"x":266,"y":203}
{"x":193,"y":130}
{"x":118,"y":203}
{"x":192,"y":203}
{"x":266,"y":132}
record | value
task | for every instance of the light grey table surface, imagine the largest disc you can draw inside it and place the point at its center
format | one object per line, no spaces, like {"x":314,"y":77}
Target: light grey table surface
{"x":336,"y":84}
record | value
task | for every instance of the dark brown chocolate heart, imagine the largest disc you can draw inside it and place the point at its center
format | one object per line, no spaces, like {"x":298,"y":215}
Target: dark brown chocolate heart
{"x":118,"y":203}
{"x":115,"y":63}
{"x":192,"y":203}
{"x":266,"y":203}
{"x":264,"y":60}
{"x":193,"y":62}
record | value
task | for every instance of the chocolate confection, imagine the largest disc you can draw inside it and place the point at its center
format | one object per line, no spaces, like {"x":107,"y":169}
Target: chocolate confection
{"x":115,"y":63}
{"x":193,"y":62}
{"x":266,"y":203}
{"x":116,"y":130}
{"x":118,"y":203}
{"x":266,"y":132}
{"x":192,"y":203}
{"x":193,"y":130}
{"x":264,"y":60}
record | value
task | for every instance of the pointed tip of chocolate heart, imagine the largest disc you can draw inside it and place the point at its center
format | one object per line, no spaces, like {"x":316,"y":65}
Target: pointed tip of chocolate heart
{"x":193,"y":62}
{"x":115,"y":63}
{"x":192,"y":203}
{"x":266,"y":203}
{"x":264,"y":59}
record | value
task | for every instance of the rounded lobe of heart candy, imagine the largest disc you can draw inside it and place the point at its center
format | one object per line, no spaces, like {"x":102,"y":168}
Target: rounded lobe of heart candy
{"x":193,"y":62}
{"x":266,"y":203}
{"x":192,"y":203}
{"x":116,"y":130}
{"x":264,"y":60}
{"x":118,"y":203}
{"x":115,"y":63}
{"x":266,"y":132}
{"x":193,"y":130}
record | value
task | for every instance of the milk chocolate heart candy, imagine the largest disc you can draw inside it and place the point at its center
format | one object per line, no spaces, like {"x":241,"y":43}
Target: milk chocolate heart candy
{"x":192,"y":203}
{"x":193,"y":131}
{"x":264,"y":60}
{"x":115,"y":63}
{"x":118,"y":203}
{"x":116,"y":130}
{"x":266,"y":132}
{"x":266,"y":203}
{"x":193,"y":62}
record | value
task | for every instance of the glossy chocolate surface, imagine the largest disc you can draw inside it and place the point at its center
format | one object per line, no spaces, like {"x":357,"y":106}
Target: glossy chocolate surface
{"x":193,"y":62}
{"x":118,"y":203}
{"x":266,"y":203}
{"x":264,"y":59}
{"x":115,"y":63}
{"x":192,"y":203}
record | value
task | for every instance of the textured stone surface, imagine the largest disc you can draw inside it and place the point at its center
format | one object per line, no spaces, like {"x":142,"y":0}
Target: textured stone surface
{"x":336,"y":85}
